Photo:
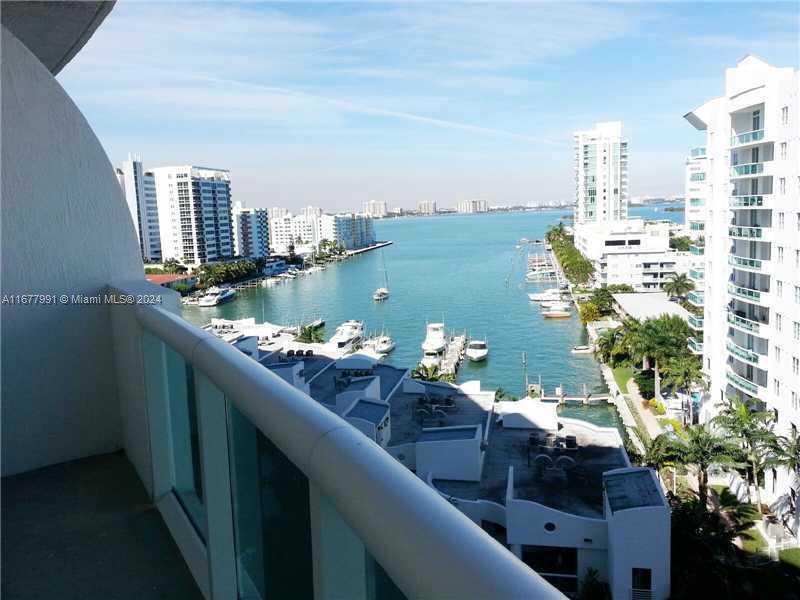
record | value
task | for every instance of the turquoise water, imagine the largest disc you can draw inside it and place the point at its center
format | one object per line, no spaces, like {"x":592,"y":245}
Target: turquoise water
{"x":464,"y":270}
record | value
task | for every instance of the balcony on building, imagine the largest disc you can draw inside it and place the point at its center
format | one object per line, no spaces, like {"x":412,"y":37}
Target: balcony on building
{"x":747,"y":127}
{"x":696,"y":298}
{"x":749,"y":318}
{"x":748,"y":287}
{"x":746,"y":347}
{"x":695,"y":345}
{"x":143,"y":457}
{"x":698,"y":152}
{"x":695,"y":322}
{"x":746,"y":378}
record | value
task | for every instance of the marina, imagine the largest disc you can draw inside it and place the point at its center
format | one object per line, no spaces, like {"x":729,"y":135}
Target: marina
{"x":462,"y":283}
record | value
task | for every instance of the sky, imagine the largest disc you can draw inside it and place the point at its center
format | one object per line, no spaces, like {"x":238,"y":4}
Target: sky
{"x":333,"y":104}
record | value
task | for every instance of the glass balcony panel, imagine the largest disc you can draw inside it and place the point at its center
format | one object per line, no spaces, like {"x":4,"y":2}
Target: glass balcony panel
{"x":742,"y":353}
{"x":747,"y":169}
{"x":742,"y":383}
{"x":185,"y":440}
{"x":271,"y":515}
{"x":695,"y":298}
{"x":699,"y":151}
{"x":742,"y":322}
{"x":695,"y":322}
{"x":747,"y":263}
{"x":695,"y":345}
{"x":697,"y":250}
{"x":745,"y":232}
{"x":743,"y":292}
{"x":746,"y":201}
{"x":747,"y":138}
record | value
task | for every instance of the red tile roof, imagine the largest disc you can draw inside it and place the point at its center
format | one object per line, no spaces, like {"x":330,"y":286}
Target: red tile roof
{"x":168,"y":278}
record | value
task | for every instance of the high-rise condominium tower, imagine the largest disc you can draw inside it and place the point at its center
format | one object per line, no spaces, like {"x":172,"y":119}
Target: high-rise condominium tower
{"x":139,"y":189}
{"x":250,"y":231}
{"x":601,"y":174}
{"x":751,"y":300}
{"x":194,"y":211}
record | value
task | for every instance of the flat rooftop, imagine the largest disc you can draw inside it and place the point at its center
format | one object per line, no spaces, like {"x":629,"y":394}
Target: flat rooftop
{"x":649,"y":305}
{"x":454,"y":433}
{"x":374,"y":412}
{"x":312,"y":365}
{"x":577,"y":490}
{"x":323,"y":387}
{"x":632,"y":489}
{"x":410,"y":417}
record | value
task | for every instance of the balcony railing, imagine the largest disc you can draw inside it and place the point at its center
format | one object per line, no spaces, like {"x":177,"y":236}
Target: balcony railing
{"x":747,"y":138}
{"x":697,"y":201}
{"x":742,"y":383}
{"x":747,"y":169}
{"x":742,"y":353}
{"x":746,"y":324}
{"x":696,"y":298}
{"x":754,"y":264}
{"x":744,"y":292}
{"x":697,"y":249}
{"x":224,"y":430}
{"x":697,"y":274}
{"x":696,"y":322}
{"x":698,"y":152}
{"x":746,"y":201}
{"x":695,"y":346}
{"x":749,"y":233}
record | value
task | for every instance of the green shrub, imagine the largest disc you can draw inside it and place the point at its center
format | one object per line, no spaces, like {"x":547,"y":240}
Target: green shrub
{"x":656,"y":406}
{"x":790,"y":557}
{"x":646,"y":382}
{"x":676,"y":425}
{"x":753,"y":541}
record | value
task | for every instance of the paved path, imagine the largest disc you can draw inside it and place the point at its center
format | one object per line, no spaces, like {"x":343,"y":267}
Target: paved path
{"x":622,"y":407}
{"x":650,"y":421}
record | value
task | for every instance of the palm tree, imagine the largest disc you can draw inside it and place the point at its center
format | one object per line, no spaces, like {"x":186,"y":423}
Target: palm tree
{"x":703,"y":449}
{"x":684,"y":372}
{"x":659,"y":452}
{"x":664,"y":338}
{"x":607,"y":345}
{"x":786,"y":454}
{"x":310,"y":335}
{"x":753,"y":429}
{"x":678,"y":285}
{"x":426,"y":373}
{"x":632,"y":341}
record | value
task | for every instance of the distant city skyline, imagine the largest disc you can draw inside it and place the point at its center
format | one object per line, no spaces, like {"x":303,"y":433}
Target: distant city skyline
{"x":337,"y":105}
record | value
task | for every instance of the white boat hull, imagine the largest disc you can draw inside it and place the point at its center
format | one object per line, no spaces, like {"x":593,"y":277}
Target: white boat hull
{"x":477,"y":355}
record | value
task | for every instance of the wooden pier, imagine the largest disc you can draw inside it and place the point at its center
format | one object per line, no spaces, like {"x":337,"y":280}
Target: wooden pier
{"x":453,"y":354}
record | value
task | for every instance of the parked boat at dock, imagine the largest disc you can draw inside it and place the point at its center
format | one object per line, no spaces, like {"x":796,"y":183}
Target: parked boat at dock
{"x":557,"y":310}
{"x":477,"y":350}
{"x":582,"y":350}
{"x":216,"y":295}
{"x":348,"y":335}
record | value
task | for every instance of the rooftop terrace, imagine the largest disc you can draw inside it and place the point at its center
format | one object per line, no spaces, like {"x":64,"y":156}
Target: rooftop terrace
{"x":578,"y":491}
{"x":324,"y":390}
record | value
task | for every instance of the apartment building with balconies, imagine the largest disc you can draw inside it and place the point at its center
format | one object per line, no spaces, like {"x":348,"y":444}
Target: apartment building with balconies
{"x":250,"y":231}
{"x":695,"y":193}
{"x":752,"y":246}
{"x":601,"y":174}
{"x":139,"y":189}
{"x":194,"y":212}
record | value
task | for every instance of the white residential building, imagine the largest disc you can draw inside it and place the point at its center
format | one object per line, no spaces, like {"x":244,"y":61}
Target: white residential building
{"x":377,"y":209}
{"x":473,"y":206}
{"x":751,"y":327}
{"x":696,"y":193}
{"x":633,"y":252}
{"x":139,"y":189}
{"x":351,"y":230}
{"x":276,"y":212}
{"x":311,"y":211}
{"x":427,"y":207}
{"x":601,"y":174}
{"x":194,"y":213}
{"x":250,"y":231}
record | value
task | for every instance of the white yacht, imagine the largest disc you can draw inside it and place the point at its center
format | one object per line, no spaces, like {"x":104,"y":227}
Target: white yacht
{"x":477,"y":350}
{"x":216,"y":295}
{"x":348,"y":335}
{"x":551,"y":295}
{"x":381,"y":344}
{"x":557,"y":310}
{"x":431,"y":358}
{"x":434,"y":338}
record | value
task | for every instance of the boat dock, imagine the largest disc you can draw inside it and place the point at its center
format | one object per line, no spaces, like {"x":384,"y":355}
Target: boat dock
{"x":453,"y":354}
{"x":541,"y":267}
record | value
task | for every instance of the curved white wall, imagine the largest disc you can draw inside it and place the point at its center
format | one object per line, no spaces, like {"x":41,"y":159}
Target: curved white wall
{"x":65,"y":230}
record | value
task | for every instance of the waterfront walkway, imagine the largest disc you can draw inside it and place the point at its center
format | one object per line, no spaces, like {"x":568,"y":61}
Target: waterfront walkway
{"x":649,"y":419}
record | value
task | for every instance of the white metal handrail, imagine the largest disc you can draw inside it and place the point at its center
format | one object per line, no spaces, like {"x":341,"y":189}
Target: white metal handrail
{"x":429,"y":548}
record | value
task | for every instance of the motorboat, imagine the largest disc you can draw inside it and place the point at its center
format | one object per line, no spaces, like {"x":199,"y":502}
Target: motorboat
{"x":557,"y":310}
{"x":381,"y":344}
{"x":316,"y":323}
{"x":434,"y":338}
{"x":348,"y":335}
{"x":582,"y":350}
{"x":551,"y":295}
{"x":216,"y":295}
{"x":477,"y":350}
{"x":431,"y":358}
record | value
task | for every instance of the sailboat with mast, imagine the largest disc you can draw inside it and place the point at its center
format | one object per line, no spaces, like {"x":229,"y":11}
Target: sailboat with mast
{"x":382,"y":293}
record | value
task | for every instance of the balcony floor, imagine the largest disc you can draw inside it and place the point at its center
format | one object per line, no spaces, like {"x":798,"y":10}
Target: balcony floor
{"x":86,"y":529}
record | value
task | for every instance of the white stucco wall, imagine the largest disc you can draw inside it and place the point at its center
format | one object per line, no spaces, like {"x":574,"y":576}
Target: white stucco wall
{"x":65,"y":230}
